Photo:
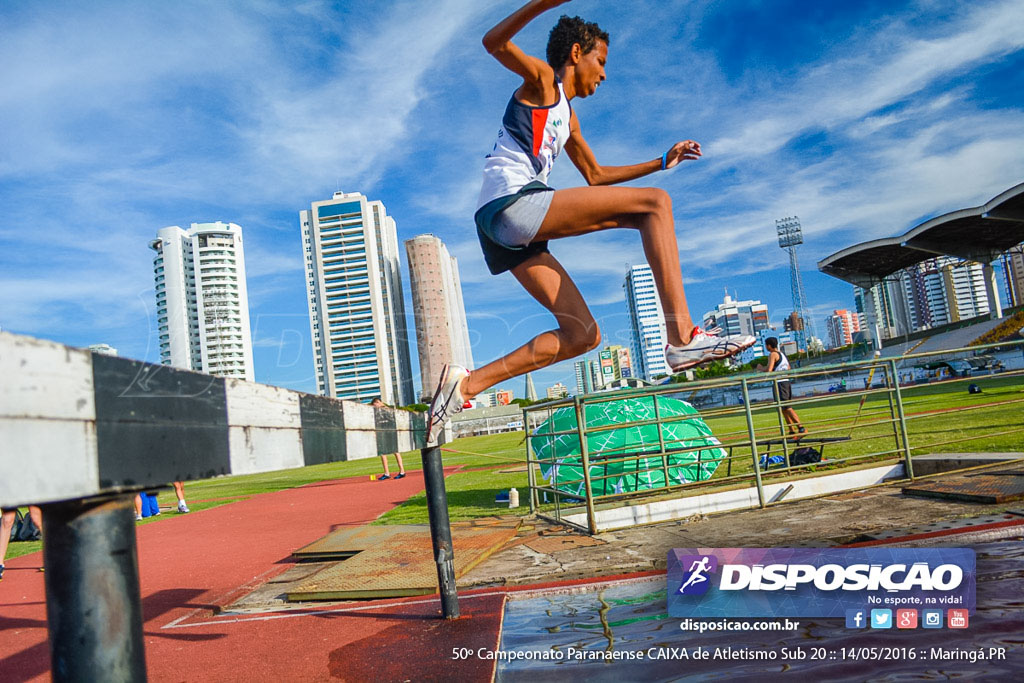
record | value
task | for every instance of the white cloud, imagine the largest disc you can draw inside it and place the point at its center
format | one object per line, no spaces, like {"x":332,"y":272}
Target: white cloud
{"x":122,"y":118}
{"x":893,"y":67}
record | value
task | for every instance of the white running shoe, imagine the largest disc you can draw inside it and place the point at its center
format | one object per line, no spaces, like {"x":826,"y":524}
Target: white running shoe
{"x":182,"y":508}
{"x":447,"y":401}
{"x":705,"y":346}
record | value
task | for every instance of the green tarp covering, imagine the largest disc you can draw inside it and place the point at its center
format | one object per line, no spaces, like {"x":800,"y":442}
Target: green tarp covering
{"x":562,"y":464}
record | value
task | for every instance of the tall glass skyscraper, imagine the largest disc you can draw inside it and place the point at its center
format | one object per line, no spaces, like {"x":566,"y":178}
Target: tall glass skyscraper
{"x":647,"y":323}
{"x":202,"y":305}
{"x":356,"y":309}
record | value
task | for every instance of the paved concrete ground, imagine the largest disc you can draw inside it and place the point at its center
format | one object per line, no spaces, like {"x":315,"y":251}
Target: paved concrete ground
{"x":212,"y":581}
{"x":830,"y":521}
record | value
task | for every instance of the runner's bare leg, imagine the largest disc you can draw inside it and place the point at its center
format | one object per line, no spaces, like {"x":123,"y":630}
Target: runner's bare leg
{"x":579,"y":211}
{"x":582,"y":210}
{"x":546,"y":280}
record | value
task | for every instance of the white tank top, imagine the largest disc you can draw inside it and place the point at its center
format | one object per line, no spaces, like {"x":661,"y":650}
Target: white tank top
{"x":530,"y":140}
{"x":783,"y":364}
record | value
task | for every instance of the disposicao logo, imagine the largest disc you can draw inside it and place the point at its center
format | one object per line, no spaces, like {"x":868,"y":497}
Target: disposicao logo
{"x":695,"y":580}
{"x":817,"y":582}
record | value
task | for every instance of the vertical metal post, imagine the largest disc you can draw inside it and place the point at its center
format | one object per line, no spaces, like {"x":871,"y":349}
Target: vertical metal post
{"x":93,"y":606}
{"x":661,"y":443}
{"x":903,"y":422}
{"x":753,"y":442}
{"x":531,"y":476}
{"x":581,"y":430}
{"x":889,"y":380}
{"x":440,"y":529}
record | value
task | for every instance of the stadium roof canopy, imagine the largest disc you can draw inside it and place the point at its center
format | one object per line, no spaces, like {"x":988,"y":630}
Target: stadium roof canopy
{"x":978,"y":234}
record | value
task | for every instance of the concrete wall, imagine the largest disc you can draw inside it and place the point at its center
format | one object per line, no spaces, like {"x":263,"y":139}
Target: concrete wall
{"x":74,"y":423}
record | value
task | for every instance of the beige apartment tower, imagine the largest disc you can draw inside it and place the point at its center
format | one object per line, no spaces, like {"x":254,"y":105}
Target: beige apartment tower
{"x":442,"y":335}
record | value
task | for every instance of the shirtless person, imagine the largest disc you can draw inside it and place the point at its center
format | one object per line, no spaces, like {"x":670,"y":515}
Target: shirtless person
{"x":518,"y":213}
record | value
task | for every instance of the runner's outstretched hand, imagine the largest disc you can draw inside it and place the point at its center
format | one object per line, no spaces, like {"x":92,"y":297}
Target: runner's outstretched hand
{"x":687,"y":149}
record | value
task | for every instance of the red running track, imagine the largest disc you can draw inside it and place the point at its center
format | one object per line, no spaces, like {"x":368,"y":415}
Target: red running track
{"x":191,"y":565}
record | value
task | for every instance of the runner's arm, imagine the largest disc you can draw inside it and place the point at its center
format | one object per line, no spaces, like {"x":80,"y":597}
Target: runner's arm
{"x":773,"y":360}
{"x":596,"y":174}
{"x":536,"y":73}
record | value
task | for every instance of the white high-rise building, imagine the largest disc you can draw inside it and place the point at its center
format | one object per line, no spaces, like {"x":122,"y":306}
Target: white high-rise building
{"x":944,"y":290}
{"x":356,"y":309}
{"x":841,"y":326}
{"x":646,"y":322}
{"x":202,"y":305}
{"x":738,"y":317}
{"x":442,"y":335}
{"x":588,"y":376}
{"x":582,"y":370}
{"x":559,"y":390}
{"x":885,"y":310}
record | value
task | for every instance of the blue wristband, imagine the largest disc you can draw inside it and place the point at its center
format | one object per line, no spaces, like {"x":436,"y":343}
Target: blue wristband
{"x":664,"y":161}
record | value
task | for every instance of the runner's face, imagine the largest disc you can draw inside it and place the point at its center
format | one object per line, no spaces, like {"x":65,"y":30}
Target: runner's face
{"x":590,"y":70}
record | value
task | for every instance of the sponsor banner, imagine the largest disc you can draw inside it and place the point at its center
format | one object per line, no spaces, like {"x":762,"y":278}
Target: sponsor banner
{"x":817,"y":582}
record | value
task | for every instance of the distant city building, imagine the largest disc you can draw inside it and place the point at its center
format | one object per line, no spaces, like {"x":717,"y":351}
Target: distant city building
{"x":596,"y":377}
{"x":584,"y":384}
{"x":646,"y":323}
{"x":356,"y":306}
{"x":793,"y":323}
{"x":841,"y":326}
{"x":944,"y":290}
{"x":885,"y":310}
{"x":202,"y":305}
{"x":737,"y":317}
{"x":615,"y":363}
{"x":559,"y":390}
{"x":442,"y":335}
{"x":588,"y":376}
{"x":934,"y":292}
{"x":531,"y":391}
{"x":104,"y":349}
{"x":1014,"y":272}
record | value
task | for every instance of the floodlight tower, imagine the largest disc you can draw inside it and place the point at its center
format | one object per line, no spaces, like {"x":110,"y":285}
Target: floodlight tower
{"x":790,"y":235}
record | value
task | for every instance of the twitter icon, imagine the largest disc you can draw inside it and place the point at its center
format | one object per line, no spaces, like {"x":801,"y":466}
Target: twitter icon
{"x":881,"y":618}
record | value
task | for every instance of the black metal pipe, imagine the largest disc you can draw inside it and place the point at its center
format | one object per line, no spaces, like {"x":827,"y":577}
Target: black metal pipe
{"x":440,"y":529}
{"x":93,"y":608}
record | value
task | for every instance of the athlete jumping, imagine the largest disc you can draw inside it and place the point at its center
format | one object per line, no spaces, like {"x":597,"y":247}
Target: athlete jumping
{"x":518,"y":213}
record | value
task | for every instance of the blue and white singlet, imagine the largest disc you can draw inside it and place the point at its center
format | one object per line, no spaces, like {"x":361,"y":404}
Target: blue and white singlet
{"x":530,"y":140}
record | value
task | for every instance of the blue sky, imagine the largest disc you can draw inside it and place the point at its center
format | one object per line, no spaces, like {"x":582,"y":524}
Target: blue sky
{"x":119,"y":119}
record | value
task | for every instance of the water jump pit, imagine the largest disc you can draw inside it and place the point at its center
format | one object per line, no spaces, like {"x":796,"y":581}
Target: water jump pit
{"x":621,"y":630}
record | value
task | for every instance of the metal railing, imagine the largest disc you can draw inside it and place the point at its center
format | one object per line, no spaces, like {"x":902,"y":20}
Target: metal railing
{"x":577,"y":471}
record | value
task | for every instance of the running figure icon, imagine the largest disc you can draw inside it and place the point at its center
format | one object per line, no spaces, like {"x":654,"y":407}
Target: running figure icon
{"x":697,"y":570}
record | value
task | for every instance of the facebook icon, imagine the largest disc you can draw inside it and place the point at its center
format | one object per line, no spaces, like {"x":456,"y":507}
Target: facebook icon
{"x":856,"y":618}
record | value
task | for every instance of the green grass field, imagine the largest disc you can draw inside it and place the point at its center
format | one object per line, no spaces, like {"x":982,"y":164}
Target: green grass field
{"x":490,"y":462}
{"x":940,"y":418}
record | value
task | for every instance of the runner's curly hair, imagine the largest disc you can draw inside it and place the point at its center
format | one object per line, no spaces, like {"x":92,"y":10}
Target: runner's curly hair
{"x":569,"y":31}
